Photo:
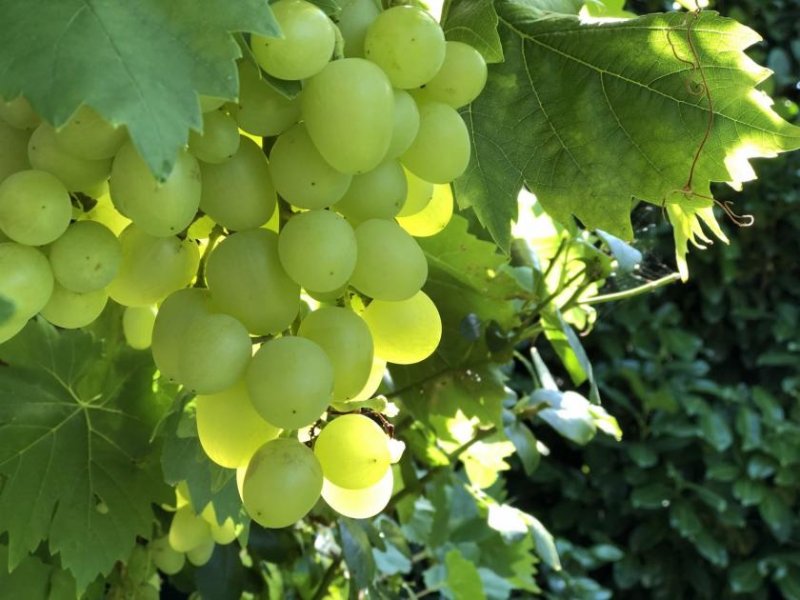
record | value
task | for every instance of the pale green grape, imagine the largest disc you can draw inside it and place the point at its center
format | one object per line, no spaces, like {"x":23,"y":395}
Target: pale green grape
{"x":225,"y":532}
{"x":19,"y":113}
{"x":461,"y":78}
{"x":353,"y":451}
{"x":26,"y":279}
{"x":209,"y":103}
{"x":86,"y":257}
{"x":354,"y":20}
{"x":261,"y":110}
{"x":188,"y":530}
{"x":89,"y":136}
{"x":290,"y":381}
{"x":305,"y":46}
{"x":35,"y":208}
{"x":158,"y":208}
{"x":13,"y":150}
{"x":318,"y":250}
{"x":434,"y":217}
{"x":301,"y":175}
{"x":404,"y":332}
{"x":376,"y":373}
{"x":77,"y":174}
{"x":238,"y":194}
{"x":175,"y":315}
{"x":441,"y":150}
{"x":71,"y":310}
{"x":166,"y":559}
{"x":390,"y":265}
{"x":345,"y":338}
{"x":282,"y":483}
{"x":407,"y":43}
{"x":219,"y":139}
{"x":201,"y":554}
{"x":406,"y":123}
{"x":105,"y":213}
{"x":137,"y":326}
{"x":349,"y":112}
{"x":361,"y":503}
{"x":378,"y":194}
{"x":420,"y":193}
{"x":152,"y":267}
{"x":247,"y":281}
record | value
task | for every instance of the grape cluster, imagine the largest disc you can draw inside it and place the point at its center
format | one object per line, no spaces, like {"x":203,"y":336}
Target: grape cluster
{"x":275,"y":272}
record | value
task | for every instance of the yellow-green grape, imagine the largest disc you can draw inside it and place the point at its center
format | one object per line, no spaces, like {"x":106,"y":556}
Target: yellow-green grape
{"x":434,"y":217}
{"x":354,"y":20}
{"x":353,"y":451}
{"x":390,"y":265}
{"x":174,"y":316}
{"x":290,"y":381}
{"x":406,"y":123}
{"x":152,"y":267}
{"x":86,"y":258}
{"x":71,"y":310}
{"x":76,"y":173}
{"x":90,"y":136}
{"x":225,"y":532}
{"x":247,"y":281}
{"x":35,"y":208}
{"x":240,"y":473}
{"x":378,"y":194}
{"x":404,"y":332}
{"x":441,"y":150}
{"x":301,"y":175}
{"x":349,"y":112}
{"x":26,"y":279}
{"x":201,"y":554}
{"x":345,"y":338}
{"x":166,"y":559}
{"x":105,"y":213}
{"x":306,"y":42}
{"x":219,"y":139}
{"x":10,"y":328}
{"x":262,"y":110}
{"x":188,"y":530}
{"x":158,"y":208}
{"x":407,"y":43}
{"x":209,"y":103}
{"x":13,"y":150}
{"x":282,"y":484}
{"x":137,"y":326}
{"x":19,"y":113}
{"x":239,"y":194}
{"x":318,"y":250}
{"x":361,"y":503}
{"x":376,"y":373}
{"x":420,"y":193}
{"x":461,"y":78}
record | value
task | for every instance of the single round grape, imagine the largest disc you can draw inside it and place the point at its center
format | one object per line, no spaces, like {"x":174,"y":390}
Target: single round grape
{"x":262,"y":110}
{"x":222,"y":533}
{"x":441,"y":150}
{"x":35,"y":208}
{"x":247,"y":281}
{"x":434,"y":217}
{"x":229,"y":428}
{"x":137,"y":326}
{"x":354,"y":20}
{"x":87,"y":257}
{"x":19,"y":113}
{"x":188,"y":530}
{"x":353,"y":451}
{"x":390,"y":265}
{"x":376,"y":373}
{"x":219,"y":139}
{"x":201,"y":554}
{"x":345,"y":338}
{"x":238,"y":194}
{"x":71,"y":310}
{"x":378,"y":194}
{"x":166,"y":559}
{"x":404,"y":332}
{"x":174,"y":316}
{"x":306,"y":42}
{"x":407,"y":43}
{"x":461,"y":78}
{"x":89,"y":136}
{"x":406,"y":123}
{"x":158,"y":208}
{"x":419,"y":195}
{"x":348,"y":109}
{"x":77,"y":174}
{"x":13,"y":150}
{"x":361,"y":503}
{"x":26,"y":279}
{"x":318,"y":250}
{"x":282,"y":484}
{"x":290,"y":381}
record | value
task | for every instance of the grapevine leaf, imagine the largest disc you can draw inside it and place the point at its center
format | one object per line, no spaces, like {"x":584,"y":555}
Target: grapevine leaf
{"x":35,"y":580}
{"x":223,"y":577}
{"x":140,"y":64}
{"x":357,"y":553}
{"x":474,"y":23}
{"x":462,"y":577}
{"x":6,"y":310}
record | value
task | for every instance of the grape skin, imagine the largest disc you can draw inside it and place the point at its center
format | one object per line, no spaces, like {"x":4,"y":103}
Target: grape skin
{"x":353,"y":451}
{"x":35,"y":208}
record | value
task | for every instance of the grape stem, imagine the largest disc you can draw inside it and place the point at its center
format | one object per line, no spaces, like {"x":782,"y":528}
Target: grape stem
{"x":215,"y":234}
{"x":327,"y":579}
{"x":637,"y":291}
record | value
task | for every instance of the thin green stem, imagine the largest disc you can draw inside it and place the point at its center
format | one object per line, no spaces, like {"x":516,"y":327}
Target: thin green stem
{"x":327,"y":578}
{"x":633,"y":292}
{"x":215,"y":234}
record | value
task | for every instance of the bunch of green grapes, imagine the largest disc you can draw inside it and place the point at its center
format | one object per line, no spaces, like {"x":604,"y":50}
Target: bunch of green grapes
{"x":275,"y":272}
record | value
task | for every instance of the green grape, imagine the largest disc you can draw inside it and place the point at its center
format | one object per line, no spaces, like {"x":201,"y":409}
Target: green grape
{"x":441,"y":150}
{"x":152,"y":267}
{"x":35,"y":208}
{"x":282,"y":483}
{"x":328,"y":297}
{"x":376,"y":373}
{"x":378,"y":194}
{"x":390,"y":265}
{"x":348,"y":109}
{"x":158,"y":208}
{"x":406,"y":123}
{"x":261,"y":110}
{"x":318,"y":250}
{"x":420,"y":193}
{"x":89,"y":136}
{"x":247,"y":281}
{"x":86,"y":257}
{"x":188,"y":530}
{"x":305,"y":46}
{"x":354,"y":20}
{"x":201,"y":554}
{"x":174,"y":316}
{"x":165,"y":558}
{"x":225,"y":532}
{"x":26,"y":279}
{"x":461,"y":78}
{"x":404,"y":332}
{"x":407,"y":43}
{"x":13,"y":150}
{"x":209,"y":103}
{"x":19,"y":113}
{"x":290,"y":381}
{"x":301,"y":175}
{"x":104,"y":212}
{"x":238,"y":194}
{"x":345,"y":338}
{"x":434,"y":217}
{"x":77,"y":174}
{"x":71,"y":310}
{"x":361,"y":503}
{"x":219,"y":139}
{"x":137,"y":326}
{"x":353,"y":451}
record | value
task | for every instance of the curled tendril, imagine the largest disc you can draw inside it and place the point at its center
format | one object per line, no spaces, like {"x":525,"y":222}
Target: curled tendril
{"x":739,"y":220}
